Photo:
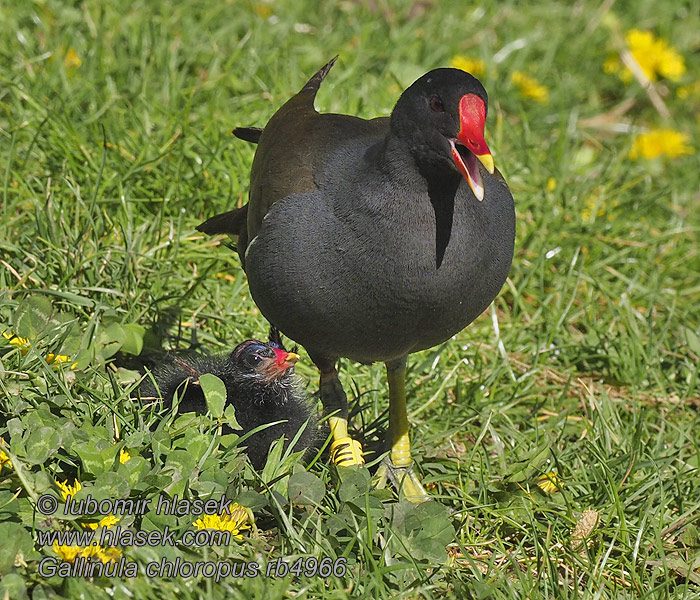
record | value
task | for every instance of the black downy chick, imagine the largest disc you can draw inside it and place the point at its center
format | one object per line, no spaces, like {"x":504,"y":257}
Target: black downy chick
{"x":261,"y":385}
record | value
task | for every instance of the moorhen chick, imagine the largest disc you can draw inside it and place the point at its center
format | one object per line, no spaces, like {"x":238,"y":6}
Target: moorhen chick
{"x":261,"y":385}
{"x":373,"y":239}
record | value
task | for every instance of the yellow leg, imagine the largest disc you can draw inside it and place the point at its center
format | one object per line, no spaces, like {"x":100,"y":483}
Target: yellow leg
{"x":399,"y":468}
{"x":345,"y":451}
{"x":398,"y":418}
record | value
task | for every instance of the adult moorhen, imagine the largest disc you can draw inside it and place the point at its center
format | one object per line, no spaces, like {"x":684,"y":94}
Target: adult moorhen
{"x":260,"y":383}
{"x":373,"y":239}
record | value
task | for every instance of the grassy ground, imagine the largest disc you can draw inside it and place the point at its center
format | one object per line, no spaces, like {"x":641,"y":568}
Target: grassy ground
{"x":115,"y":142}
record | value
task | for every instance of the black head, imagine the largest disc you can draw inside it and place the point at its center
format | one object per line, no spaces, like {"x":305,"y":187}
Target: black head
{"x":262,"y":362}
{"x":440,"y":118}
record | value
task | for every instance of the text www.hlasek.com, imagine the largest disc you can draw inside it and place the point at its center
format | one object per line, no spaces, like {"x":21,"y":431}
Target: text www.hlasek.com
{"x":126,"y":537}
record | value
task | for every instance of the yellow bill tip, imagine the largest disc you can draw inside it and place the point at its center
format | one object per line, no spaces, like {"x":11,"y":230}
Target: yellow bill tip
{"x":487,"y":161}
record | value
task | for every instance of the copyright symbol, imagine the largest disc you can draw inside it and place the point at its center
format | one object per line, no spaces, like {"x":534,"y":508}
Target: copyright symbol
{"x":47,"y":504}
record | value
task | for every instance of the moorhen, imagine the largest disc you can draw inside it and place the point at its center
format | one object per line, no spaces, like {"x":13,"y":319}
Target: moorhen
{"x":373,"y":239}
{"x":261,"y":385}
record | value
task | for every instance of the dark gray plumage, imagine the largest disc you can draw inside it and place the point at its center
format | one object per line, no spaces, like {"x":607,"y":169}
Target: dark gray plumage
{"x":361,"y":238}
{"x":373,"y":239}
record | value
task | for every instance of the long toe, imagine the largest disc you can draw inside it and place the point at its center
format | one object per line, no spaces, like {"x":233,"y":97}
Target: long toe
{"x":405,"y":481}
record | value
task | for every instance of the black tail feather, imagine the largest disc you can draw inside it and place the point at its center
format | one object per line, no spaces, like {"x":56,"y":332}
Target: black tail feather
{"x":231,"y":222}
{"x":249,"y":134}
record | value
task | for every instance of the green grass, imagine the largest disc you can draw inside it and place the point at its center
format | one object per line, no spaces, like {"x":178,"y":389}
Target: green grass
{"x":591,"y":373}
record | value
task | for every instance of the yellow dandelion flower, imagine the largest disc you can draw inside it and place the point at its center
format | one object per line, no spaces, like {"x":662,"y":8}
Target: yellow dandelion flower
{"x":59,"y":359}
{"x":107,"y":522}
{"x":71,"y":60}
{"x":67,"y":553}
{"x":551,"y":184}
{"x":233,"y":520}
{"x":475,"y":66}
{"x":660,"y":142}
{"x":643,"y":46}
{"x":124,"y":456}
{"x":70,"y":553}
{"x":69,"y":490}
{"x":106,"y":554}
{"x":22,"y":343}
{"x":4,"y":460}
{"x":529,"y":87}
{"x":670,"y":64}
{"x":549,"y":482}
{"x":655,"y":57}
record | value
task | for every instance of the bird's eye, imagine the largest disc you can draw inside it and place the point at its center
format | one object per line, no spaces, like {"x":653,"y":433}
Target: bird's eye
{"x":436,"y":104}
{"x":253,"y":354}
{"x":251,"y":360}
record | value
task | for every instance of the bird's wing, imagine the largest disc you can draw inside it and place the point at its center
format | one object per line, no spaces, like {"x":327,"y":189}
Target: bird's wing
{"x":297,"y":110}
{"x":293,"y":150}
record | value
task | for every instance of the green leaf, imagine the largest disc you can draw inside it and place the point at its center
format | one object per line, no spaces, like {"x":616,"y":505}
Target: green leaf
{"x":14,"y":427}
{"x":8,"y":504}
{"x":41,"y":444}
{"x":133,"y":469}
{"x":252,"y":500}
{"x":693,"y":340}
{"x":179,"y":466}
{"x":161,"y":443}
{"x":12,"y":585}
{"x":214,"y":393}
{"x":356,"y":483}
{"x":12,"y":535}
{"x":424,"y":530}
{"x":110,"y":340}
{"x":690,"y":536}
{"x":230,"y":417}
{"x":110,"y":485}
{"x":133,"y":340}
{"x":274,"y":457}
{"x":195,"y":442}
{"x":306,"y":489}
{"x":528,"y":468}
{"x":92,"y":458}
{"x":32,"y":317}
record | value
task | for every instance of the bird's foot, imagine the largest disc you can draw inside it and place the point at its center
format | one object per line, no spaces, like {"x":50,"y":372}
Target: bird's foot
{"x":404,"y":479}
{"x":346,"y":452}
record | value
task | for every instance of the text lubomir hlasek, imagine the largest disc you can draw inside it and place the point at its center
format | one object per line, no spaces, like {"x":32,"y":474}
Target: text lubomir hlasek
{"x":139,"y":506}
